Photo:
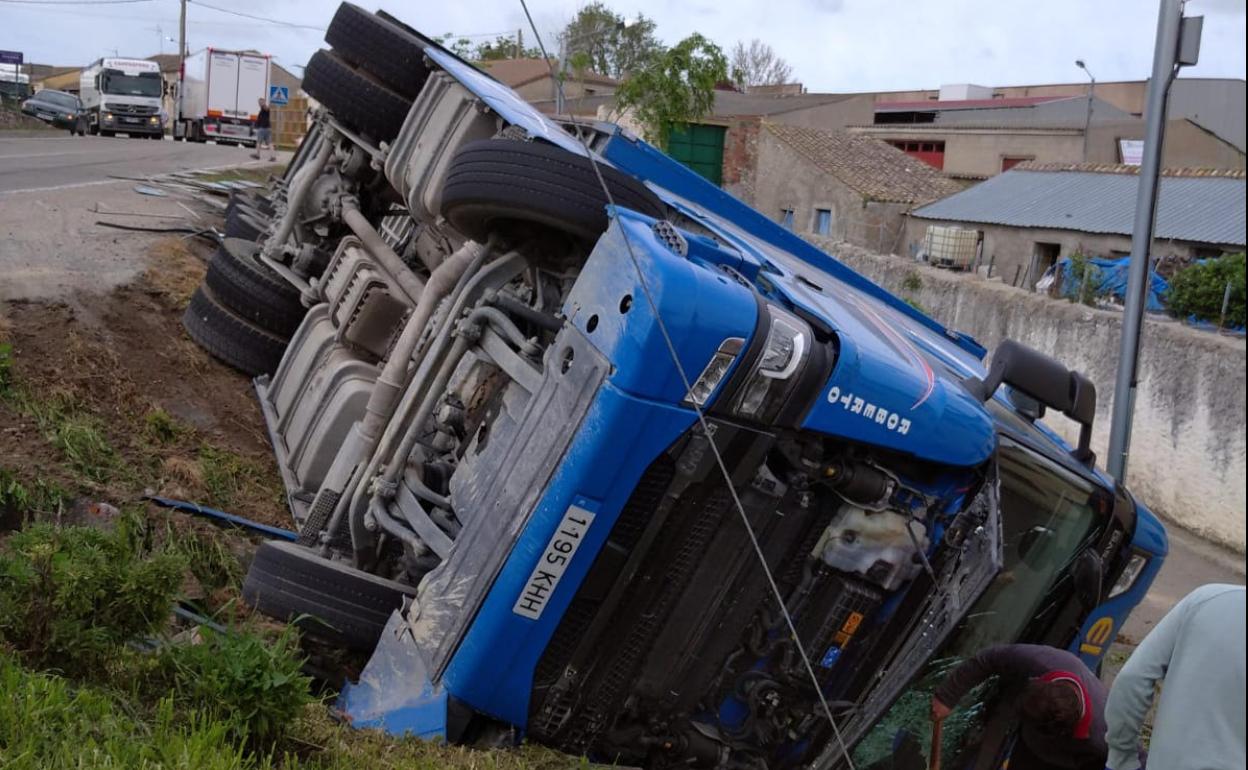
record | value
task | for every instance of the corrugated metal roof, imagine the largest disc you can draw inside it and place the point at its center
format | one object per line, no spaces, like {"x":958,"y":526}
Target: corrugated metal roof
{"x":1189,"y":208}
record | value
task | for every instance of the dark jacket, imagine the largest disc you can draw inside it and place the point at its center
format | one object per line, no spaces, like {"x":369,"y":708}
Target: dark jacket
{"x":262,"y":120}
{"x":1017,"y":663}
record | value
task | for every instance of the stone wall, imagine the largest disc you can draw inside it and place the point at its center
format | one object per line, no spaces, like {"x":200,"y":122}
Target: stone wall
{"x":1188,"y":441}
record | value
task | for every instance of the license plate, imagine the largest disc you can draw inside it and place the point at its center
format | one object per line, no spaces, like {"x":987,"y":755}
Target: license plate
{"x":554,"y":562}
{"x":229,"y":130}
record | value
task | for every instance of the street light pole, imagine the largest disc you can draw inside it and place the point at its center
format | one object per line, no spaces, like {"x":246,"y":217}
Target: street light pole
{"x":1178,"y":43}
{"x":1087,"y":120}
{"x":177,"y":119}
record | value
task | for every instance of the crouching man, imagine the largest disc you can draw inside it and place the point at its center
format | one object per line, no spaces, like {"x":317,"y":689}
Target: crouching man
{"x":1060,"y":704}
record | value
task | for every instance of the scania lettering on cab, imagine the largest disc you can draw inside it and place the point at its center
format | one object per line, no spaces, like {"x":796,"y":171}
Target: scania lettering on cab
{"x":122,"y":96}
{"x":219,"y":98}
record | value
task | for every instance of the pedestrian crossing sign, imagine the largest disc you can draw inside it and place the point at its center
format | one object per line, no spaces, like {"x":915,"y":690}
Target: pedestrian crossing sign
{"x":279,"y":95}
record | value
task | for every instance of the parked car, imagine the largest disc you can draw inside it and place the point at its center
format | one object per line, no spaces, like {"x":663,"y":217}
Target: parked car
{"x":57,"y":108}
{"x":570,"y":436}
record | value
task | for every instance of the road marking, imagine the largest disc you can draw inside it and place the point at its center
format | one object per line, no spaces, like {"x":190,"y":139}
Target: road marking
{"x":44,"y":154}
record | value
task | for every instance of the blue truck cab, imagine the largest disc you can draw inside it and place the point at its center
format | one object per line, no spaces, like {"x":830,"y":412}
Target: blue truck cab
{"x":685,"y":492}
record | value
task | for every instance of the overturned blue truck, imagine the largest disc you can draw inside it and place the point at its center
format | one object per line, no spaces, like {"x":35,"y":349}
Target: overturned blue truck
{"x":590,"y":453}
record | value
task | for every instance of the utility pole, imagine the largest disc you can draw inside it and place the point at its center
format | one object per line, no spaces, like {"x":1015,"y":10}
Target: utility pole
{"x":519,"y":43}
{"x":177,"y":119}
{"x":1178,"y":44}
{"x":1087,"y":119}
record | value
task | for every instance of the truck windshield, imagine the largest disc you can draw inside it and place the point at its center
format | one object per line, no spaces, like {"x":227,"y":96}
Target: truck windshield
{"x":1048,"y":516}
{"x":120,"y":84}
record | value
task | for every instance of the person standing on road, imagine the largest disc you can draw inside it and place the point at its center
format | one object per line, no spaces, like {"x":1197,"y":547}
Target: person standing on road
{"x":264,"y":133}
{"x":1060,"y":704}
{"x":1198,"y":648}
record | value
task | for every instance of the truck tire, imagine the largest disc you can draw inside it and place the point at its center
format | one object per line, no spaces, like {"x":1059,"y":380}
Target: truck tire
{"x":248,"y":287}
{"x":231,"y":338}
{"x":253,"y":201}
{"x":355,"y":97}
{"x":342,"y":604}
{"x":379,"y":47}
{"x":490,"y":181}
{"x":241,"y":223}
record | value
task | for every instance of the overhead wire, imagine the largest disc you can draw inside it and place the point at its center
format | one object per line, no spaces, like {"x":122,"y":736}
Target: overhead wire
{"x":701,"y":417}
{"x":254,"y":17}
{"x":75,"y":2}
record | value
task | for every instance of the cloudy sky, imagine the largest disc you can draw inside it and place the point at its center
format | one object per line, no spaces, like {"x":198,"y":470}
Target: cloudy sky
{"x":833,"y":45}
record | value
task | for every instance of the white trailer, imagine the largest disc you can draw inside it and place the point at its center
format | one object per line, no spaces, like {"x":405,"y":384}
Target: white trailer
{"x":219,"y":96}
{"x":123,"y":96}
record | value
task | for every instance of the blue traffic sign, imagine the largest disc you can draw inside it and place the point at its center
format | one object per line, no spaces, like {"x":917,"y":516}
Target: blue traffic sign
{"x":10,"y":57}
{"x":279,"y":95}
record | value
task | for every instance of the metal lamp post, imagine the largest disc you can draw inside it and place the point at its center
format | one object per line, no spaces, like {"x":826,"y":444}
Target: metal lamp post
{"x":1087,"y":121}
{"x":1178,"y":44}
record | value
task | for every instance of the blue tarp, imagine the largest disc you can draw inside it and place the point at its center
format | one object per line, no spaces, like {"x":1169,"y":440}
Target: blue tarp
{"x":1112,"y":275}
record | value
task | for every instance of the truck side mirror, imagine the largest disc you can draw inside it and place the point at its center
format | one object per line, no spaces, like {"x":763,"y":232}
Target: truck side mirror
{"x":1088,"y":572}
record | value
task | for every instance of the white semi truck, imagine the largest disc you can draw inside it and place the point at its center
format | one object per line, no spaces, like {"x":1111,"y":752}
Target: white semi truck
{"x":123,"y":96}
{"x":219,"y":95}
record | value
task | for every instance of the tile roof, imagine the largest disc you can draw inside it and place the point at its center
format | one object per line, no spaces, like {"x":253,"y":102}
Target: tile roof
{"x":1201,"y":206}
{"x":875,"y":169}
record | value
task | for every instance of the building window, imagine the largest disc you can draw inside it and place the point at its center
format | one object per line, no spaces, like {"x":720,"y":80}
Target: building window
{"x":823,"y":222}
{"x":931,"y":153}
{"x":786,"y":218}
{"x":1010,"y":161}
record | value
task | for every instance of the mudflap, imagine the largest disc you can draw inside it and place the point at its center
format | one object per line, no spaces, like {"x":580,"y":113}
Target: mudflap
{"x":395,"y":693}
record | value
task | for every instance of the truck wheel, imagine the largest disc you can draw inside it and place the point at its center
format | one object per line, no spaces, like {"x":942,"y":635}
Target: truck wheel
{"x":331,"y":600}
{"x":491,"y":182}
{"x":250,"y":201}
{"x":379,"y":47}
{"x":240,"y":223}
{"x":231,"y":338}
{"x":245,"y":285}
{"x":355,"y":97}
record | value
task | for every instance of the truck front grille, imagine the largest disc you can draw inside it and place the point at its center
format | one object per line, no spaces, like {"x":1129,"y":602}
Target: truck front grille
{"x":131,"y":109}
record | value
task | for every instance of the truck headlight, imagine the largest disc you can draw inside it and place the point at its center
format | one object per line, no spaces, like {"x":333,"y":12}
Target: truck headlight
{"x":108,"y":116}
{"x":715,"y":371}
{"x":153,"y":120}
{"x":772,"y":377}
{"x":1130,"y":573}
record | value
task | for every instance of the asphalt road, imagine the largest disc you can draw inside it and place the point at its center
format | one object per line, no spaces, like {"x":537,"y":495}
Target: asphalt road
{"x":57,"y":161}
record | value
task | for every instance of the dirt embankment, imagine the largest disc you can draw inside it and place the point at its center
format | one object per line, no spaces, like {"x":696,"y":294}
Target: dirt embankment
{"x":107,"y":398}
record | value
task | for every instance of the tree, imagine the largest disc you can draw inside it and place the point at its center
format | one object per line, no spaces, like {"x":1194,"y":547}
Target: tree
{"x":674,"y":88}
{"x":504,"y":47}
{"x":612,"y":45}
{"x":758,"y":65}
{"x":461,"y":47}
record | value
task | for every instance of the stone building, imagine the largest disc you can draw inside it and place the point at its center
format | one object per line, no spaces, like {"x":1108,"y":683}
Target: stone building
{"x":829,"y":183}
{"x":1035,"y":214}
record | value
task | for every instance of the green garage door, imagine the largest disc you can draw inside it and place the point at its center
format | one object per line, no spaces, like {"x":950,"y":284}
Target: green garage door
{"x":700,"y":147}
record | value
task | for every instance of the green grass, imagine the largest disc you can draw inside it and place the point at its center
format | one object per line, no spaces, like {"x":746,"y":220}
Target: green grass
{"x":161,"y":427}
{"x":48,"y":722}
{"x":227,"y":476}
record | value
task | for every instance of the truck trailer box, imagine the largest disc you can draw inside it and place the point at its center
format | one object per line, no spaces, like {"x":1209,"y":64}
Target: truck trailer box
{"x":221,"y":91}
